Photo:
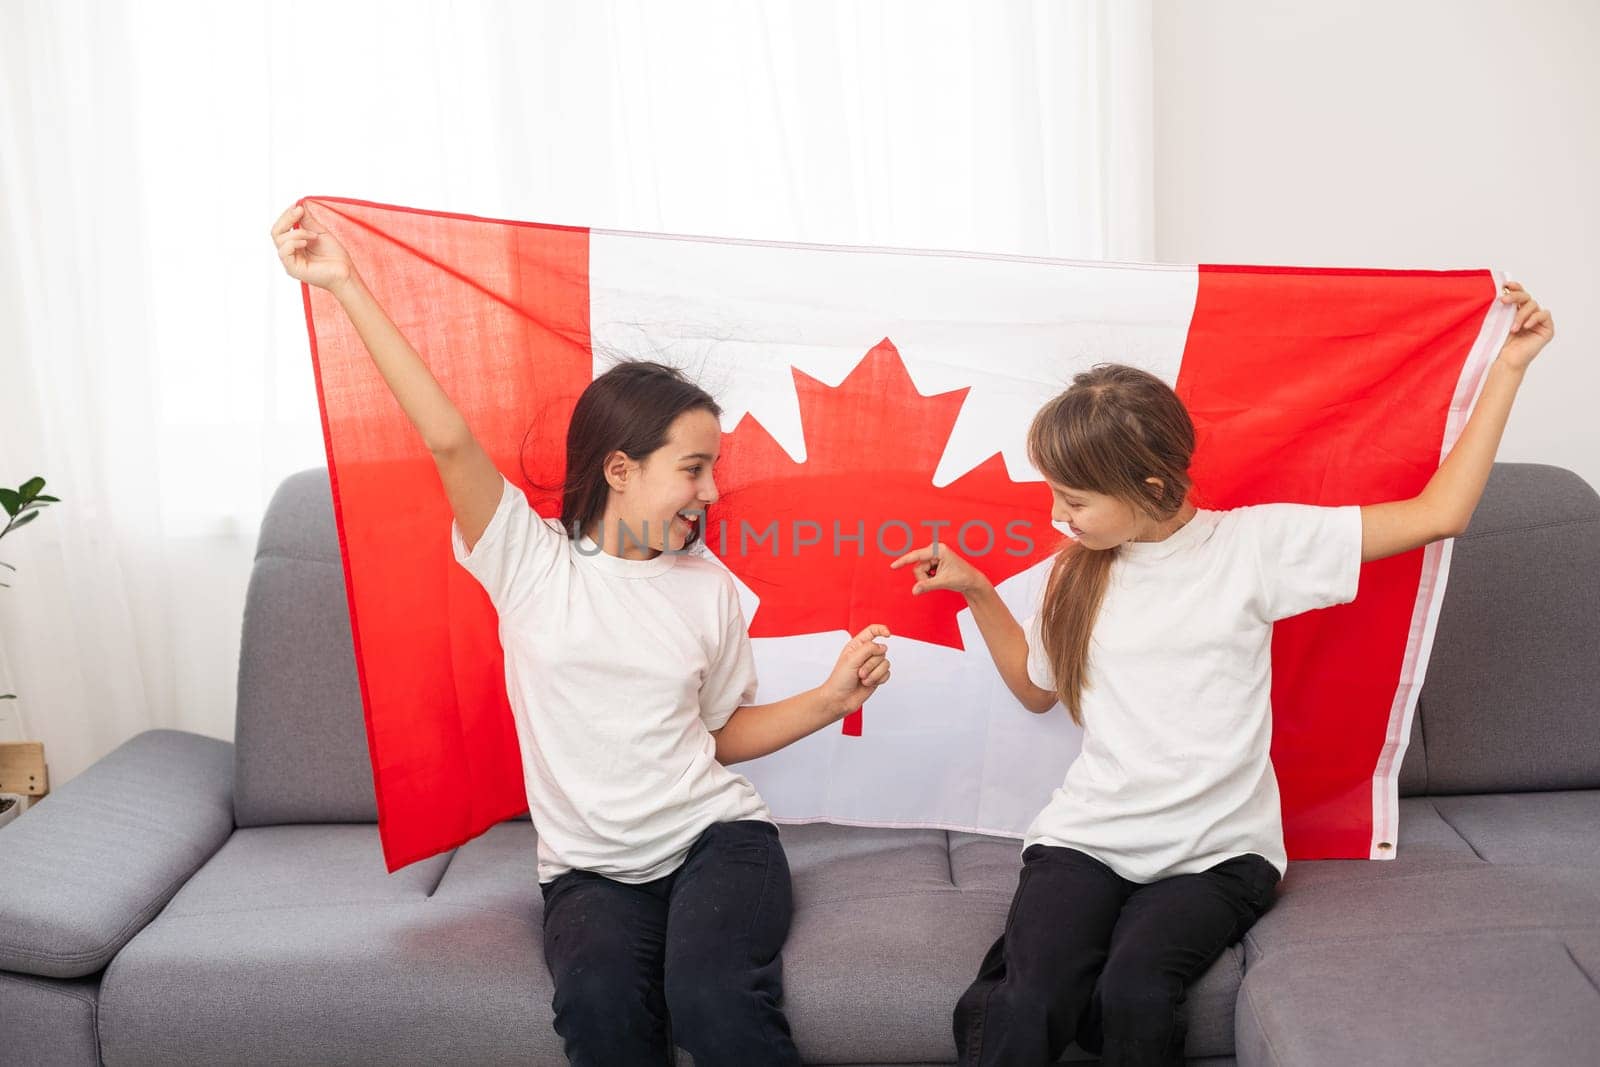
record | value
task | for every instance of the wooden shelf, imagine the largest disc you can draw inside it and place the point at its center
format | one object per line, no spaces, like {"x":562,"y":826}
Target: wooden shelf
{"x":22,"y":768}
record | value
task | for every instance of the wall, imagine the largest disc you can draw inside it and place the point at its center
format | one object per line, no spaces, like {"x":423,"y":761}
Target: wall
{"x":1416,"y":134}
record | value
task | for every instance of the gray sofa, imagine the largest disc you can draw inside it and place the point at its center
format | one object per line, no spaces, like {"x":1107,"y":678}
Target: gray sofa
{"x":190,"y":901}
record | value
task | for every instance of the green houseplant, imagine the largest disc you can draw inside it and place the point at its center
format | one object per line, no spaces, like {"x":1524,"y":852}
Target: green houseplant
{"x":22,"y":506}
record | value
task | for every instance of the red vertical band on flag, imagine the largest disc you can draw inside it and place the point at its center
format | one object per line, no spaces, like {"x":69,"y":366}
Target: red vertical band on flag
{"x":1329,"y":387}
{"x":500,"y":313}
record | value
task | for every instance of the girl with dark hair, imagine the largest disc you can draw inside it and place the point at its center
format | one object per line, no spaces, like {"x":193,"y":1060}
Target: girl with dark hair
{"x":629,"y":670}
{"x":1164,"y":844}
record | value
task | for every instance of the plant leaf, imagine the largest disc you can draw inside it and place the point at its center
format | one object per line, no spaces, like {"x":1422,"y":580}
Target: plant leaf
{"x":42,"y":499}
{"x":31,"y":488}
{"x":10,"y":500}
{"x":20,"y":523}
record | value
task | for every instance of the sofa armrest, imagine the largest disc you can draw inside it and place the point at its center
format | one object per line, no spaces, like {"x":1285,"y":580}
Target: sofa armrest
{"x":98,"y":858}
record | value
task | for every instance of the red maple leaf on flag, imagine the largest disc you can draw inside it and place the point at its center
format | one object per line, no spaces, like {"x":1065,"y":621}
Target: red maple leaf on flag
{"x":814,"y":540}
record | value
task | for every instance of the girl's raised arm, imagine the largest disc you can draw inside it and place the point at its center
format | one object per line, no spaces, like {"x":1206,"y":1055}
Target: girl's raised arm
{"x":1445,"y":505}
{"x":472,"y":483}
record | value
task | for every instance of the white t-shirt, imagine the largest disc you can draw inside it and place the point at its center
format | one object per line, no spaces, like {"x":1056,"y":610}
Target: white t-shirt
{"x":1175,"y":774}
{"x":617,"y":671}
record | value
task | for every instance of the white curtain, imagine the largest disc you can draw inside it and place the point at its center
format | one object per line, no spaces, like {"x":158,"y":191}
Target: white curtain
{"x":153,"y":360}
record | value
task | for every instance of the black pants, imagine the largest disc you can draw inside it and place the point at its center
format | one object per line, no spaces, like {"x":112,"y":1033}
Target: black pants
{"x":1091,"y":956}
{"x":699,"y":947}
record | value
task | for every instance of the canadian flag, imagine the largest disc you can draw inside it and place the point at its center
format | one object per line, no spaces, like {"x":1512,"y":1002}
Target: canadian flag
{"x":873,"y":399}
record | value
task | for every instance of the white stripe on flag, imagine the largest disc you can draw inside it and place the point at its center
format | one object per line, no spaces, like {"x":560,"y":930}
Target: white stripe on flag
{"x":946,"y":744}
{"x":1430,"y":595}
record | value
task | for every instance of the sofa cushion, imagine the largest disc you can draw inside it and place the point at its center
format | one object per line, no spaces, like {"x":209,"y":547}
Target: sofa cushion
{"x":1427,"y":844}
{"x":1486,"y":897}
{"x":1544,"y":828}
{"x":1476,"y":944}
{"x":1438,"y":882}
{"x":343,"y":983}
{"x":1516,"y":707}
{"x":293,"y":944}
{"x":915,"y":911}
{"x":1465,"y":998}
{"x":302,"y":866}
{"x":92,"y":863}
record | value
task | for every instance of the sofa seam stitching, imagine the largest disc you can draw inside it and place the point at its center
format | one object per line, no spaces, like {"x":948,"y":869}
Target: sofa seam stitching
{"x":384,"y":905}
{"x":297,"y":559}
{"x":14,"y":976}
{"x":1409,"y":875}
{"x":436,"y":902}
{"x":439,"y":881}
{"x":1250,"y":944}
{"x":951,"y":891}
{"x":1581,"y":969}
{"x":1512,"y":531}
{"x":1476,"y":932}
{"x":1422,"y":735}
{"x":1266,"y":1037}
{"x":1455,"y":830}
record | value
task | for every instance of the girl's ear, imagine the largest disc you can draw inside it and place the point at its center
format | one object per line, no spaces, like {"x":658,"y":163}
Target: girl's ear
{"x":618,"y":468}
{"x":1157,"y":486}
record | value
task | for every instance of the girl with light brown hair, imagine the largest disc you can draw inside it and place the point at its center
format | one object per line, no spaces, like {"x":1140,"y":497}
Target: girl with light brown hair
{"x":1164,"y":843}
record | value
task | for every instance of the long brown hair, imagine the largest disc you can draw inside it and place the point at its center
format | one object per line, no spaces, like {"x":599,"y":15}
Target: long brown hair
{"x":1112,"y":429}
{"x":629,"y":409}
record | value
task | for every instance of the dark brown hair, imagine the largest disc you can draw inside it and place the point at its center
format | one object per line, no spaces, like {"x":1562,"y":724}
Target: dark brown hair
{"x":630,"y":408}
{"x":1115,"y":427}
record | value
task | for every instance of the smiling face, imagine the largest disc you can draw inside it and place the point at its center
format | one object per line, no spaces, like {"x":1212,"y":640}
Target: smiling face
{"x":1114,"y":449}
{"x":661,"y":499}
{"x":1099,"y":521}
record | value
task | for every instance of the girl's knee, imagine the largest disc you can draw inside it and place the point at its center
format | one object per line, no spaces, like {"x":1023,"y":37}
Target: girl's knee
{"x":600,"y":996}
{"x":716,"y":989}
{"x":1142,"y":996}
{"x":734,"y":1018}
{"x":693,"y":1005}
{"x":1018,"y":998}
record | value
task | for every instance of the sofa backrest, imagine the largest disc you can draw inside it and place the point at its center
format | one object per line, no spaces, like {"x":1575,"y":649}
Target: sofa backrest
{"x":1511,"y":700}
{"x":300,"y":752}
